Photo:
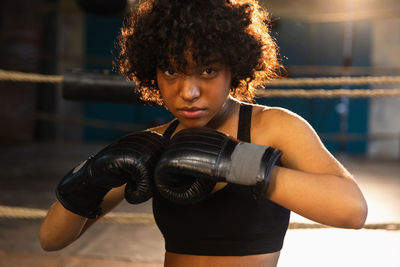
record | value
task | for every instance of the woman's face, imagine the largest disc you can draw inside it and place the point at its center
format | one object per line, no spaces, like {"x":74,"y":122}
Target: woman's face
{"x":197,"y":96}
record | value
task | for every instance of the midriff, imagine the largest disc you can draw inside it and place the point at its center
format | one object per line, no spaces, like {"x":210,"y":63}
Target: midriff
{"x":183,"y":260}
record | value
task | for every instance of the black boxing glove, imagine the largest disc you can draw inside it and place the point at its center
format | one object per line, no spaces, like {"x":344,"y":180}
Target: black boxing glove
{"x":200,"y":157}
{"x":129,"y":160}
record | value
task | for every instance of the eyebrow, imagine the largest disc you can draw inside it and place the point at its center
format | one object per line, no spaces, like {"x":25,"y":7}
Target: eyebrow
{"x":213,"y":61}
{"x":210,"y":63}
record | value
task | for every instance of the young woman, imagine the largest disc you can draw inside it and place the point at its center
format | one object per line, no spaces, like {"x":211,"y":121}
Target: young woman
{"x":202,"y":60}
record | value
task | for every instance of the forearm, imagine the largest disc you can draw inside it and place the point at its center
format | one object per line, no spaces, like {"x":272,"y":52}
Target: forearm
{"x":324,"y":198}
{"x":60,"y":228}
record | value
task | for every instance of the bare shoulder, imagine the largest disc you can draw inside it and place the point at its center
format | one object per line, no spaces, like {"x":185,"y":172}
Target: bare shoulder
{"x":274,"y":123}
{"x":278,"y":114}
{"x":295,"y":137}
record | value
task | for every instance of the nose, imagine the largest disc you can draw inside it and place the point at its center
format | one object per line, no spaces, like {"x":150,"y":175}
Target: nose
{"x":190,"y":90}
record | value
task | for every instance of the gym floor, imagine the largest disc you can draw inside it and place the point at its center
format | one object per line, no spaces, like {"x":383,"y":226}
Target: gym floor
{"x":29,"y":174}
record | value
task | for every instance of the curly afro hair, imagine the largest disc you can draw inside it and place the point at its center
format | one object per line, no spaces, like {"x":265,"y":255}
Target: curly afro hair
{"x":232,"y":32}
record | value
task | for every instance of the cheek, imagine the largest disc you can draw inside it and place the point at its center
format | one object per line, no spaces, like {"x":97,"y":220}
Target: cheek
{"x":222,"y":88}
{"x":162,"y":90}
{"x":162,"y":87}
{"x":220,"y":94}
{"x":226,"y":83}
{"x":168,"y":97}
{"x":164,"y":95}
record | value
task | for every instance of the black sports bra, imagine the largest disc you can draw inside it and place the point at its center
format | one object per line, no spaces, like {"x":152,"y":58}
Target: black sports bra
{"x":230,"y":222}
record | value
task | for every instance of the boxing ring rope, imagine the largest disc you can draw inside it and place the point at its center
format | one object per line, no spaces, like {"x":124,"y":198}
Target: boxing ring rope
{"x":14,"y":76}
{"x":86,"y":80}
{"x":17,"y":76}
{"x":9,"y":212}
{"x":323,"y":93}
{"x":341,"y":70}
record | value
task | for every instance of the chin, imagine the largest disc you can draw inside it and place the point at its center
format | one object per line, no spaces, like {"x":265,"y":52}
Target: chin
{"x":193,"y":123}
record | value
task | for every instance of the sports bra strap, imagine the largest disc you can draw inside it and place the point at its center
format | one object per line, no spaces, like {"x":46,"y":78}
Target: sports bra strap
{"x":244,"y":127}
{"x":171,"y":129}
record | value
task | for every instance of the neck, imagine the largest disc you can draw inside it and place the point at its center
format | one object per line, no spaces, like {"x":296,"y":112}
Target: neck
{"x":226,"y":112}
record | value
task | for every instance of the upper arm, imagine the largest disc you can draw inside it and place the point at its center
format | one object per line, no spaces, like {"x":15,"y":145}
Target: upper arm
{"x":310,"y":174}
{"x":301,"y":147}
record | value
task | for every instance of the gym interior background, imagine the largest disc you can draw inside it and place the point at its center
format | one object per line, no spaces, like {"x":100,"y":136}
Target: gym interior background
{"x":316,"y":39}
{"x":44,"y":131}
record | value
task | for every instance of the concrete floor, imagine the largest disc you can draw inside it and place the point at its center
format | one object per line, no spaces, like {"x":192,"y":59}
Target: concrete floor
{"x":29,"y":174}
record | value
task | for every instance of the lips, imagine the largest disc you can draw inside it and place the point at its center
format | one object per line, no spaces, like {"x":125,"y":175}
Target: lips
{"x":191,"y":112}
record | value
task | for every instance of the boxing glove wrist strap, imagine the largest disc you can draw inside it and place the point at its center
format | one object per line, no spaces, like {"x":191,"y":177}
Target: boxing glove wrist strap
{"x":78,"y":196}
{"x":252,"y":164}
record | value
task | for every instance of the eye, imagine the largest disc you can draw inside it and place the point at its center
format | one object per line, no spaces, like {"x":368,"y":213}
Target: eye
{"x":208,"y":72}
{"x":169,"y":72}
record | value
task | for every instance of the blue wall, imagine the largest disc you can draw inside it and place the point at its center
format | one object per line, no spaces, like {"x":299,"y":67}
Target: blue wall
{"x":322,"y":44}
{"x":101,"y":33}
